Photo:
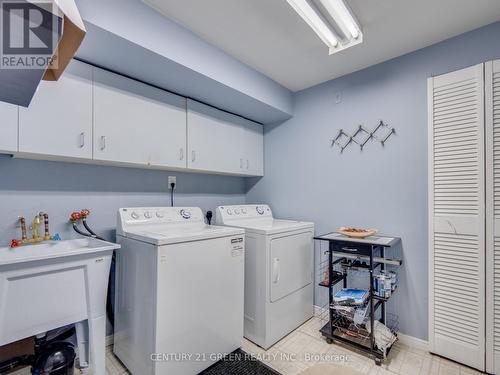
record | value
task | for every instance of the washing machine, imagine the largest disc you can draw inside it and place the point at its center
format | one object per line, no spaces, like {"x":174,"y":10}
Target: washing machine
{"x":278,"y":271}
{"x":179,"y":290}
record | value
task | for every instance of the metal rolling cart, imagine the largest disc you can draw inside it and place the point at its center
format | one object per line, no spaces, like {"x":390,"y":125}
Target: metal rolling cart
{"x":363,"y":254}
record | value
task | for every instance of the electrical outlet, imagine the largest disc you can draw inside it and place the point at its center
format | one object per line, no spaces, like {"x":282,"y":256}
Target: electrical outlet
{"x":172,"y":180}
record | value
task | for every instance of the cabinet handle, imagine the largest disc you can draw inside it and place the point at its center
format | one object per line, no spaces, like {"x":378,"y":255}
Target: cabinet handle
{"x":82,"y":139}
{"x":103,"y":142}
{"x":181,"y":154}
{"x":350,"y":249}
{"x":241,"y":163}
{"x":248,"y":164}
{"x":193,"y":156}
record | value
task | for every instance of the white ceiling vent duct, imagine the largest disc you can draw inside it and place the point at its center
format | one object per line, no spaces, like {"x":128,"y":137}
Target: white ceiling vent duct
{"x":342,"y":32}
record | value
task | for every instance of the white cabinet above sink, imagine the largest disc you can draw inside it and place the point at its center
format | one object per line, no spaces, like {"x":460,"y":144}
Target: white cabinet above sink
{"x":92,"y":115}
{"x":58,"y":121}
{"x":137,"y":124}
{"x":8,"y":128}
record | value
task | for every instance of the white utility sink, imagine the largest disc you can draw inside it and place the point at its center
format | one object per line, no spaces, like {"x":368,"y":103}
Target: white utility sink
{"x":55,"y":283}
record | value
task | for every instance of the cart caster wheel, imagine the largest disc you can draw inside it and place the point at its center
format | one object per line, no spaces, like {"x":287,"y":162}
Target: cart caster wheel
{"x":329,"y":341}
{"x":378,"y":361}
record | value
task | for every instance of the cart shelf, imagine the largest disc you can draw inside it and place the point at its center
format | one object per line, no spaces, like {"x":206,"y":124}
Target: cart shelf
{"x":338,"y":277}
{"x":357,"y":343}
{"x":383,"y":299}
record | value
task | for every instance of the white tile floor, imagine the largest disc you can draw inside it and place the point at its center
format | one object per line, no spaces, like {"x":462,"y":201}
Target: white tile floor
{"x":305,"y":347}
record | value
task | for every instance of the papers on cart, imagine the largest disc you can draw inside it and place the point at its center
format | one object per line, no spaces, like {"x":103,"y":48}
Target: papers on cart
{"x":351,"y":296}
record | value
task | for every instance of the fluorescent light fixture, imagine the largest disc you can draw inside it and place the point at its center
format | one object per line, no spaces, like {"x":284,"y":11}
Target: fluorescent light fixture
{"x":304,"y":9}
{"x":341,"y":15}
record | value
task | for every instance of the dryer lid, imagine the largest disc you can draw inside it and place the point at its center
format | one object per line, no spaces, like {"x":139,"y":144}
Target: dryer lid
{"x":271,"y":226}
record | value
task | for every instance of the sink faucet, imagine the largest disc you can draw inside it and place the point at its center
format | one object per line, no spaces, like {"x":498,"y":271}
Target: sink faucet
{"x":46,"y":235}
{"x":24,"y":237}
{"x":34,"y":228}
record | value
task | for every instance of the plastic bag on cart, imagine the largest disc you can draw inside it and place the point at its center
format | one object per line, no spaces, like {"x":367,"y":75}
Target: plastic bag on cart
{"x":360,"y":314}
{"x":384,"y":338}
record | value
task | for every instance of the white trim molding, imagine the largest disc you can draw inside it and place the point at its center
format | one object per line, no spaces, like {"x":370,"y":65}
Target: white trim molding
{"x":413,"y":342}
{"x":109,"y":340}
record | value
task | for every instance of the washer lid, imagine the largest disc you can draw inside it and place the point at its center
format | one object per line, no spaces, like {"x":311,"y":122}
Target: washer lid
{"x":168,"y":234}
{"x":271,"y":226}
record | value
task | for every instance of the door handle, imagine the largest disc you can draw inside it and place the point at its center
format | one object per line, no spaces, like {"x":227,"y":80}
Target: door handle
{"x":350,"y":249}
{"x":276,"y":270}
{"x":193,"y":156}
{"x":103,"y":142}
{"x":82,"y":139}
{"x":181,"y":154}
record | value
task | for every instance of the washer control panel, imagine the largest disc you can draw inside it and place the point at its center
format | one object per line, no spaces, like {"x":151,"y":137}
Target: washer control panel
{"x":224,"y":214}
{"x":135,"y":216}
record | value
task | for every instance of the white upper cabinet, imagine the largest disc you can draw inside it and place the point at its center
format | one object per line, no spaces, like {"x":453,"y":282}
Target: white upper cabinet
{"x":222,"y":142}
{"x":137,"y":124}
{"x":58,"y":121}
{"x":214,"y":142}
{"x":253,"y":149}
{"x":93,"y":114}
{"x":8,"y":127}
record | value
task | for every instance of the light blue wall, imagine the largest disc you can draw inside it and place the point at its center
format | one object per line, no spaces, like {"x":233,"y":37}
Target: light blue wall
{"x":384,"y":188}
{"x":30,"y":186}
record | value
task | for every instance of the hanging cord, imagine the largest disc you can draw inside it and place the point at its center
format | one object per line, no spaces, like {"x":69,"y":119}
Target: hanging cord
{"x":84,"y":214}
{"x":75,"y":218}
{"x":109,"y":296}
{"x":209,"y":217}
{"x":172,"y":187}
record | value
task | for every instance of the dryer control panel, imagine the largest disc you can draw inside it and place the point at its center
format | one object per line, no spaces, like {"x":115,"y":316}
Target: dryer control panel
{"x":226,"y":214}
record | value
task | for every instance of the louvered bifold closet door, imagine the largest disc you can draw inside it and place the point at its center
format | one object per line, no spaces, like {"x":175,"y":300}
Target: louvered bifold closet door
{"x":457,"y":216}
{"x":492,"y":106}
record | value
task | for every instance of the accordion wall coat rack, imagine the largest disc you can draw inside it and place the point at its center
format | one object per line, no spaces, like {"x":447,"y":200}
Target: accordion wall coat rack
{"x":381,"y":133}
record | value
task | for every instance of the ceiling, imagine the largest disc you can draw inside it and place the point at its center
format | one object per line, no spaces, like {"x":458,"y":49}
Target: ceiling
{"x":271,"y":38}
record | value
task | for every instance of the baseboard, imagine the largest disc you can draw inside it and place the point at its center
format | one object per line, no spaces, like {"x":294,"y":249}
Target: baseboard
{"x":319,"y":311}
{"x":413,"y":342}
{"x":109,"y":340}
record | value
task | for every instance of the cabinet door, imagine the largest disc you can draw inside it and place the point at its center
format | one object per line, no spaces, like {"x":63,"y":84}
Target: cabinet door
{"x":137,"y":124}
{"x":457,"y":216}
{"x":8,"y":127}
{"x":214,"y":140}
{"x":492,"y":102}
{"x":59,"y":119}
{"x":253,"y":146}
